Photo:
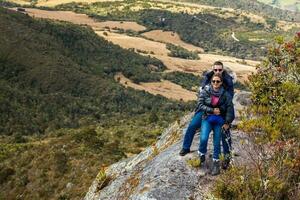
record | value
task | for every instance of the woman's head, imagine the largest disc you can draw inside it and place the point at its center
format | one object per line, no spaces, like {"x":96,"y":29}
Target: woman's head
{"x":216,"y":81}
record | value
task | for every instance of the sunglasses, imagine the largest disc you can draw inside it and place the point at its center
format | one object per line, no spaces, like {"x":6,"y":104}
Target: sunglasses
{"x":216,"y":81}
{"x":218,"y":70}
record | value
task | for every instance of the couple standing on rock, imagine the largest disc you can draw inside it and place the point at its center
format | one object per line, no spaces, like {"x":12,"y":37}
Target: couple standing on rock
{"x":215,"y":112}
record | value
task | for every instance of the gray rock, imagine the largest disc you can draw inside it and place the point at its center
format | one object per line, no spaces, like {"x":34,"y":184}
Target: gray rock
{"x":160,"y":173}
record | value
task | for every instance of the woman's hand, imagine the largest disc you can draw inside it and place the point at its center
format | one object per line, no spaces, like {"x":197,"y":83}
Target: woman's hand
{"x":225,"y":127}
{"x":217,"y":111}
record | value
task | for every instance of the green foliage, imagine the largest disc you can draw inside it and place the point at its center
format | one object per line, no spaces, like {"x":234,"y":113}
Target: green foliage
{"x":57,"y":75}
{"x":90,"y":138}
{"x":5,"y":173}
{"x":180,"y":52}
{"x":61,"y":108}
{"x":274,"y":168}
{"x":187,"y":81}
{"x":153,"y":117}
{"x":271,"y":22}
{"x":61,"y":161}
{"x":102,"y":179}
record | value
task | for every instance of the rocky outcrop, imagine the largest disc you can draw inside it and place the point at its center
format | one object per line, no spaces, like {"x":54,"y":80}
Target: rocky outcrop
{"x":160,"y":173}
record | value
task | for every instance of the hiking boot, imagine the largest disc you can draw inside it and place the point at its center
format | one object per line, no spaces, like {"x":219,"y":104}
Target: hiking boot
{"x":183,"y":152}
{"x":202,"y":159}
{"x":215,"y":168}
{"x":226,"y":163}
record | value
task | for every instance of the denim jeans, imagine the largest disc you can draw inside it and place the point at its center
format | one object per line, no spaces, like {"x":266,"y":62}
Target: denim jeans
{"x":206,"y":128}
{"x":191,"y":130}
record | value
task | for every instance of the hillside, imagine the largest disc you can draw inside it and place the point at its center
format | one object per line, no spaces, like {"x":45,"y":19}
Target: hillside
{"x":62,"y":113}
{"x":257,"y":7}
{"x":208,"y":28}
{"x":292,"y":5}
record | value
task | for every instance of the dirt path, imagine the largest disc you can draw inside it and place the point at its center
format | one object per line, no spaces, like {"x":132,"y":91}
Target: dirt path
{"x":233,"y":36}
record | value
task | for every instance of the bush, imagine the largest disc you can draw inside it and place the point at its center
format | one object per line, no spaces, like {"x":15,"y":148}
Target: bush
{"x":5,"y":173}
{"x":274,"y":129}
{"x":180,"y":52}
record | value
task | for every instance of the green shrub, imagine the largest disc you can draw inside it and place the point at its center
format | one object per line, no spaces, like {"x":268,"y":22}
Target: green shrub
{"x":186,"y":80}
{"x":180,"y":52}
{"x":274,"y":129}
{"x":5,"y":173}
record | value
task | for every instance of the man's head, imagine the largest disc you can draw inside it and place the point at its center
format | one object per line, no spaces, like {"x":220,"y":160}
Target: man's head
{"x":218,"y":67}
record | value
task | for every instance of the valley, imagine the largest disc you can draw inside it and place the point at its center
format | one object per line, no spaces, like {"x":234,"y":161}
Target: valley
{"x":87,"y":83}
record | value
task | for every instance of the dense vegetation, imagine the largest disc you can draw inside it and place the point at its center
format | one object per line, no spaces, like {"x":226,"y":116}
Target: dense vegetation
{"x":187,"y":81}
{"x":180,"y":52}
{"x":62,"y":113}
{"x":274,"y":168}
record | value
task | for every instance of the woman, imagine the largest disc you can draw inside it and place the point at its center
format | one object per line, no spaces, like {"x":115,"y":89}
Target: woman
{"x":216,"y":105}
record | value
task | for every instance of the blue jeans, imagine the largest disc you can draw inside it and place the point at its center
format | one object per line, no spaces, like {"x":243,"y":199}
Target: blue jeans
{"x":206,"y":128}
{"x":191,"y":130}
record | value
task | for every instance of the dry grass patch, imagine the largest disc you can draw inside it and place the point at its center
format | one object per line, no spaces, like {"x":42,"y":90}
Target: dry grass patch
{"x":20,"y":2}
{"x":135,"y":42}
{"x":165,"y":88}
{"x":69,"y":16}
{"x":52,"y":3}
{"x":82,"y":19}
{"x":189,"y":66}
{"x":170,"y":37}
{"x":287,"y":25}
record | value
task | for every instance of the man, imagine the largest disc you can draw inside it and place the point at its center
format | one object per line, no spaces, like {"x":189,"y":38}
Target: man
{"x":218,"y":68}
{"x":195,"y":123}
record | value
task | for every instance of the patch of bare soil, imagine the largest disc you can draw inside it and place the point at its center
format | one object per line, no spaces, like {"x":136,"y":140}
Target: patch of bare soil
{"x":127,"y":42}
{"x":52,"y":3}
{"x":20,"y":2}
{"x":82,"y":19}
{"x":170,"y":37}
{"x":287,"y":25}
{"x":164,"y":88}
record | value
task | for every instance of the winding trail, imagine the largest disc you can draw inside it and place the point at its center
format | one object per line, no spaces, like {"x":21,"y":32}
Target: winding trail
{"x":233,"y":36}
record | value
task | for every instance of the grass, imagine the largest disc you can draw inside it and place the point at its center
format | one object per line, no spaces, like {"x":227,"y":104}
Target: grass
{"x":194,"y":162}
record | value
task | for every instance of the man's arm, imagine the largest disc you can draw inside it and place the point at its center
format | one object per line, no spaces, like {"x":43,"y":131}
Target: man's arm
{"x":206,"y":79}
{"x":229,"y":84}
{"x":229,"y":117}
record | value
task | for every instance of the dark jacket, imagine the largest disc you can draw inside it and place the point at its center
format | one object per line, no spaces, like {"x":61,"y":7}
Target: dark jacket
{"x":225,"y":104}
{"x":227,"y":81}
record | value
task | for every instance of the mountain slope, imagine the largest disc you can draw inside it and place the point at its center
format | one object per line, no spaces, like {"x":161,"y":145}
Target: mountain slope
{"x":62,"y":113}
{"x":252,"y":6}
